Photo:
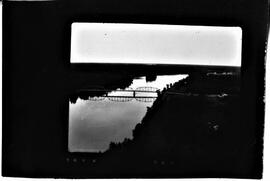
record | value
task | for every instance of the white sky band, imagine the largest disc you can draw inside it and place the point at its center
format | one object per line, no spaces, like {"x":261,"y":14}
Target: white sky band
{"x":156,"y":44}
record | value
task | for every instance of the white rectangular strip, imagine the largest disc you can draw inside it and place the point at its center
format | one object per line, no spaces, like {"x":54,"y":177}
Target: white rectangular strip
{"x":155,"y":44}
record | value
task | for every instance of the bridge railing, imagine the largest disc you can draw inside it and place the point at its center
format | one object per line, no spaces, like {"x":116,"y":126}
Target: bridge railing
{"x":142,"y":94}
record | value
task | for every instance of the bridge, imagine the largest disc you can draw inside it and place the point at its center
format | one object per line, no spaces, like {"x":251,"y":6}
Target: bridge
{"x":142,"y":94}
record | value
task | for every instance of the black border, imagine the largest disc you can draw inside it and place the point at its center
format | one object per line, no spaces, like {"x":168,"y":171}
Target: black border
{"x":36,"y":46}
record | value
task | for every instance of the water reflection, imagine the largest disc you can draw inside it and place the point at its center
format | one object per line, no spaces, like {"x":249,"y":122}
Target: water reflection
{"x":95,"y":123}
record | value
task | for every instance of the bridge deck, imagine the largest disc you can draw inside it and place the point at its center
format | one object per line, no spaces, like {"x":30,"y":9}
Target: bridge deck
{"x":141,"y":97}
{"x":109,"y":90}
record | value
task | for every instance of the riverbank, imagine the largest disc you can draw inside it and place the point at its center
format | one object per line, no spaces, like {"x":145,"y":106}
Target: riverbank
{"x":194,"y":125}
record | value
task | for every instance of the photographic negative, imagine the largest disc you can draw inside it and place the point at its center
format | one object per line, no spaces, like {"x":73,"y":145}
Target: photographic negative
{"x":95,"y":89}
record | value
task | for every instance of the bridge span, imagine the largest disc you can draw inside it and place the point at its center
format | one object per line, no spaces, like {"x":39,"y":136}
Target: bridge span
{"x":142,"y":94}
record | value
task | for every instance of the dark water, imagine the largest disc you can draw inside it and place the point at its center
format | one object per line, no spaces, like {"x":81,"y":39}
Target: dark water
{"x":95,"y":123}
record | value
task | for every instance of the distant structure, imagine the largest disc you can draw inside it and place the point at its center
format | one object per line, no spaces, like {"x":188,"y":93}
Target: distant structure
{"x":142,"y":94}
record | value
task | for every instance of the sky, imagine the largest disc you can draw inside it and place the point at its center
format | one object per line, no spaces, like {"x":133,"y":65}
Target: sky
{"x":155,"y":44}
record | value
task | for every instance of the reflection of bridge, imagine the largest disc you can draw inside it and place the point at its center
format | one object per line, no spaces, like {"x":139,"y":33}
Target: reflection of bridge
{"x":142,"y":94}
